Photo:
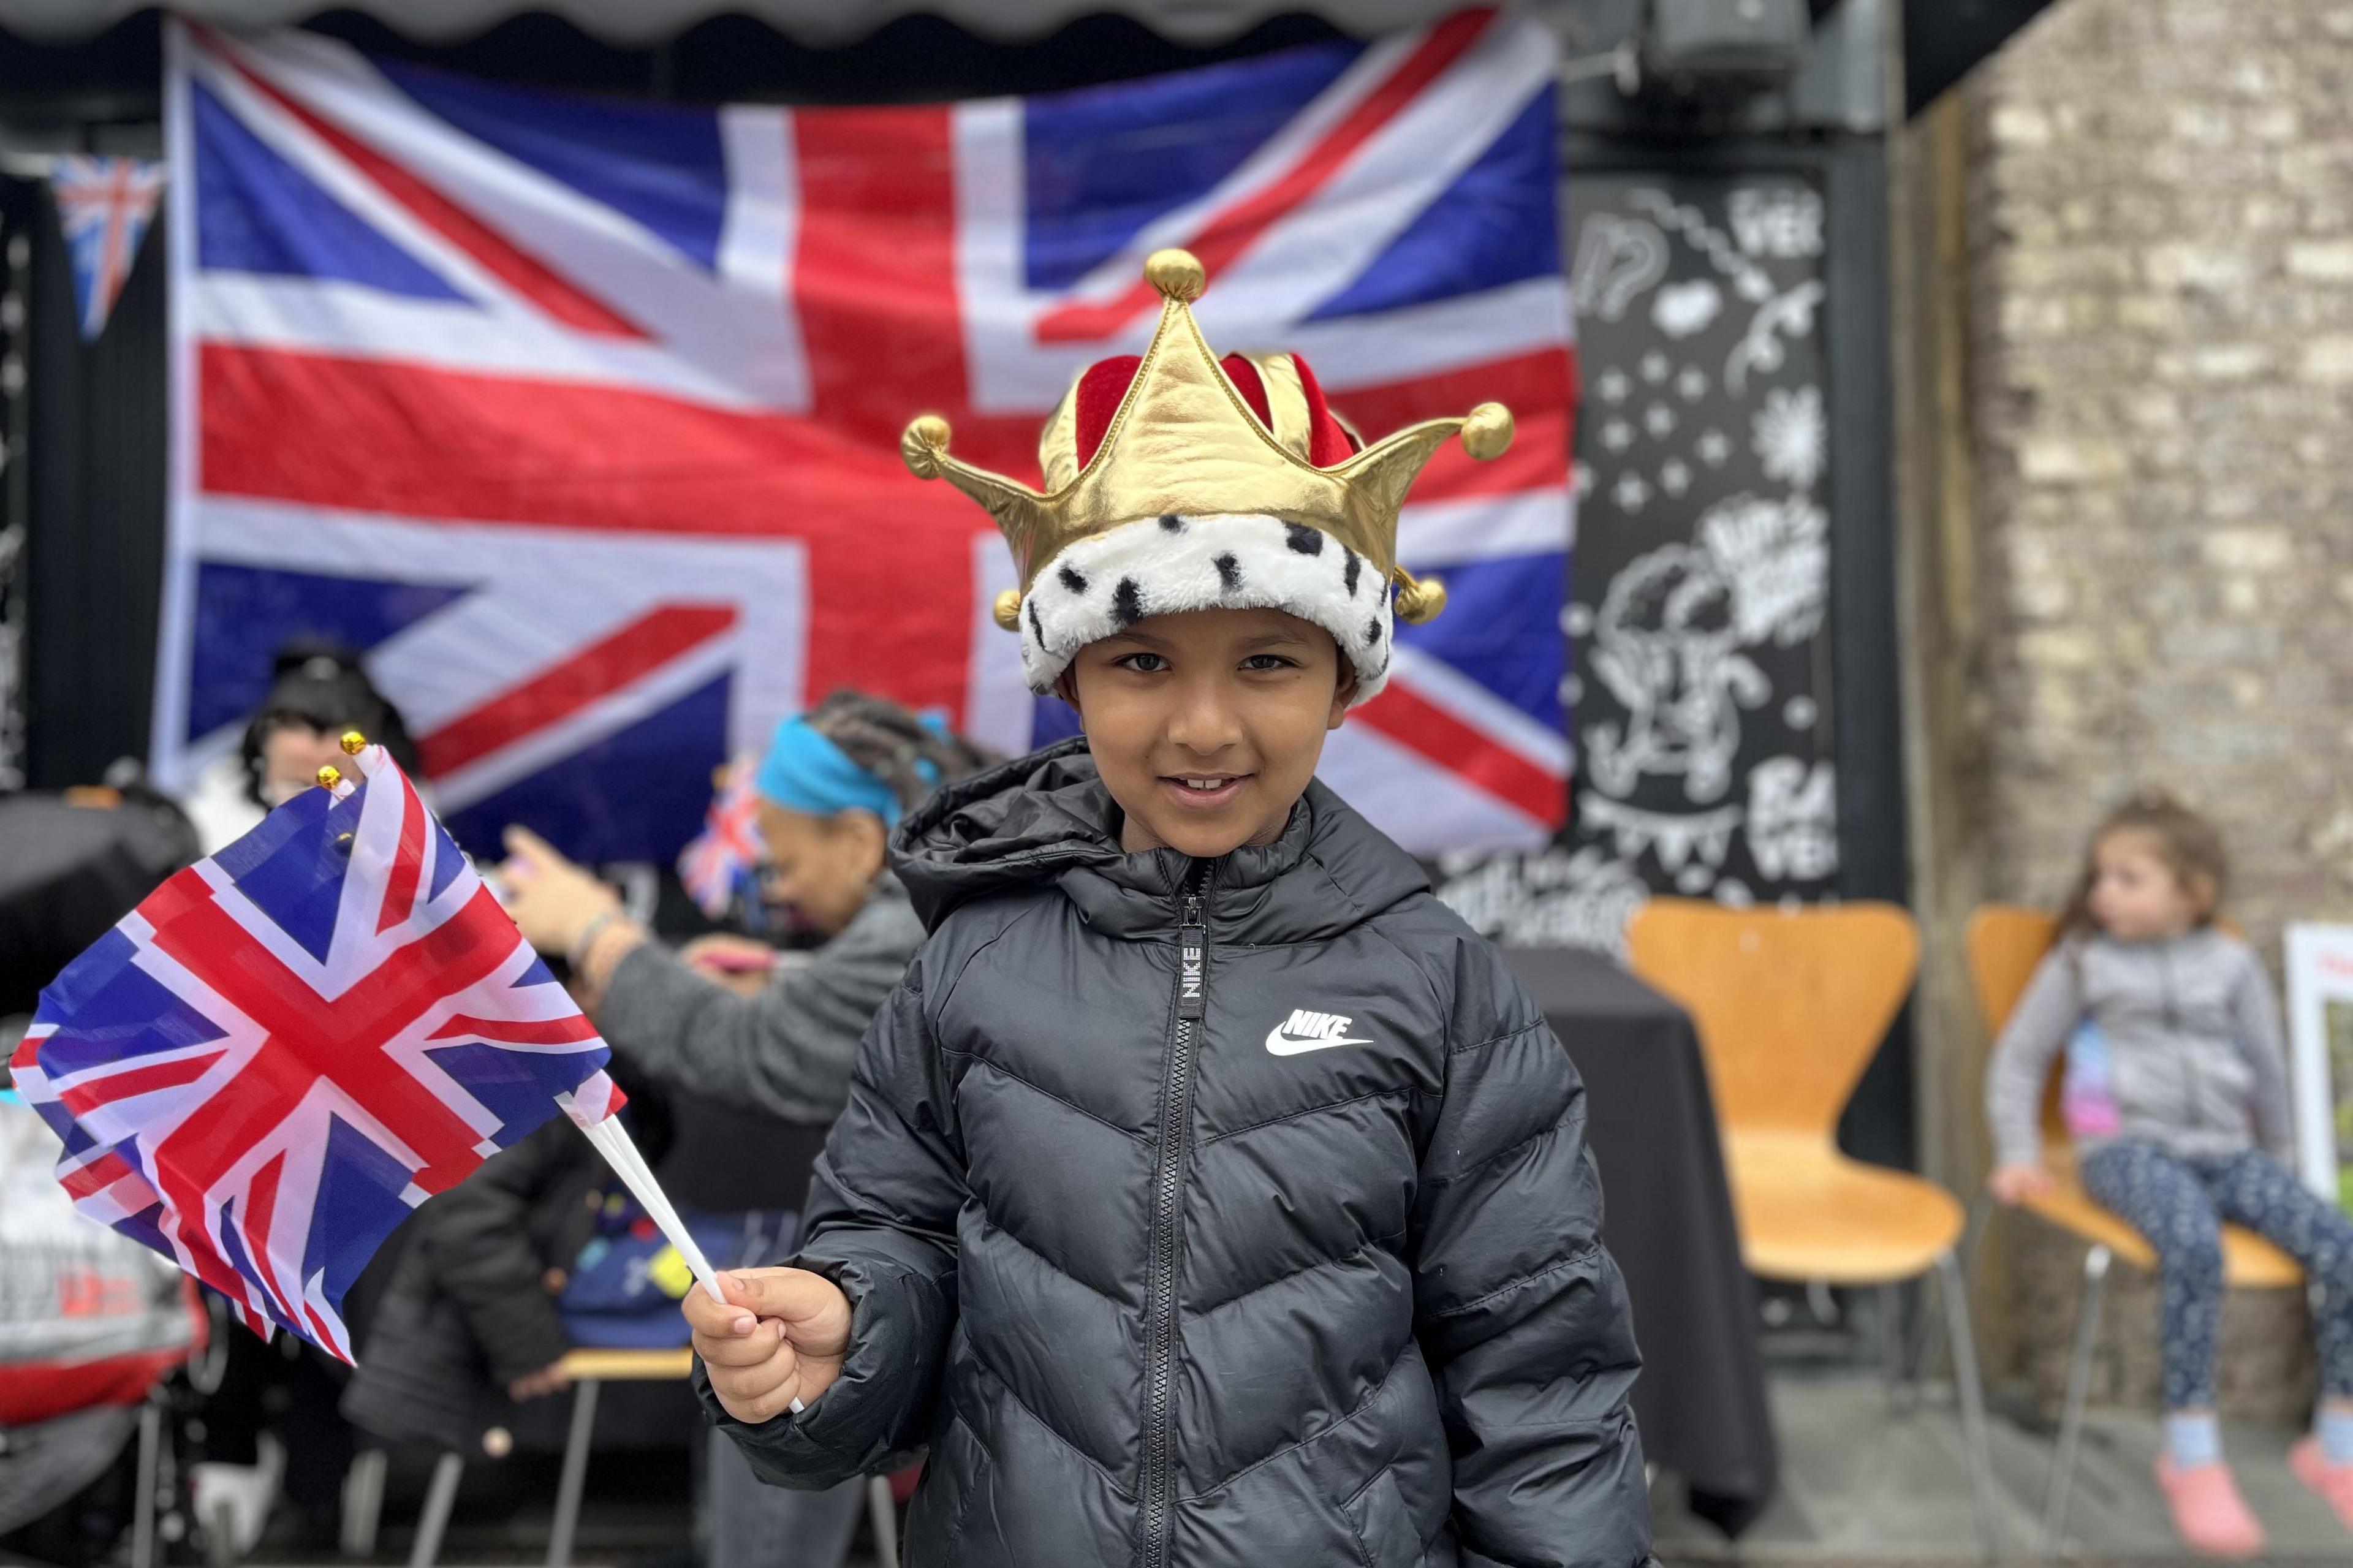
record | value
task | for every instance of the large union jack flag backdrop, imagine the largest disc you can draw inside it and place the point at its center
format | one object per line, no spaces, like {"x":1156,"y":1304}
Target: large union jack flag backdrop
{"x":264,"y":1067}
{"x":582,"y":417}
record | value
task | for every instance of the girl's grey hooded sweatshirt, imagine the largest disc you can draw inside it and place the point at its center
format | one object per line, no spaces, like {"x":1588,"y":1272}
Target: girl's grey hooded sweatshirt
{"x":2193,"y":1046}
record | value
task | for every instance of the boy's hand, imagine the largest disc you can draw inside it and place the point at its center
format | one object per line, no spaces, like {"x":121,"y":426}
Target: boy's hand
{"x":781,"y":1337}
{"x":2015,"y":1183}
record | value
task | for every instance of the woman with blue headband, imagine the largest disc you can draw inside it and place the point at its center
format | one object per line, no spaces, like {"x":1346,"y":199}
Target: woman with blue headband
{"x":778,"y":1037}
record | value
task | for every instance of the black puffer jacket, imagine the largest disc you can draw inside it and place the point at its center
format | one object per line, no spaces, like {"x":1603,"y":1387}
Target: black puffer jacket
{"x":1292,"y":1257}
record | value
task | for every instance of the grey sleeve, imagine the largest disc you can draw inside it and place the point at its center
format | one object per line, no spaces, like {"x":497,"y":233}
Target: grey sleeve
{"x":2038,"y":1026}
{"x":2256,"y":1022}
{"x":785,"y":1052}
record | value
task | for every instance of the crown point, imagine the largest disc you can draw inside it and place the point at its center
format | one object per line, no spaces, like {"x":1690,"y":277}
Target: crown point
{"x":1419,"y":600}
{"x":1177,"y":274}
{"x":927,"y":438}
{"x":1487,"y":432}
{"x":353,"y":742}
{"x":329,"y":776}
{"x":1008,"y":609}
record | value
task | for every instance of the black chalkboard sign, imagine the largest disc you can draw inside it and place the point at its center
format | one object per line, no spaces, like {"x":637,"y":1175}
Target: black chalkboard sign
{"x":1700,"y":579}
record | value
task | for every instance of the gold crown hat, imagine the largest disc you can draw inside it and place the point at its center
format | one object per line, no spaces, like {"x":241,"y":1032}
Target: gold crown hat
{"x":1178,"y":481}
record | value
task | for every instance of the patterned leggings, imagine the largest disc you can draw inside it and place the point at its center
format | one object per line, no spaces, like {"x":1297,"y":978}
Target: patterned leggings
{"x":2178,"y":1204}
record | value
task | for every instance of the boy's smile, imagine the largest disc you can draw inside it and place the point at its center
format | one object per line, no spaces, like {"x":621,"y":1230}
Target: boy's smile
{"x":1207,"y":725}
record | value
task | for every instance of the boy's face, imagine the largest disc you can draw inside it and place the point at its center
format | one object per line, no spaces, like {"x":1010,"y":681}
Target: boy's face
{"x":1207,"y":725}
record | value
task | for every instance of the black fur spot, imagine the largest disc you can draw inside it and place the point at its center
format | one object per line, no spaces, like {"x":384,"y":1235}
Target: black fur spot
{"x":1038,"y":628}
{"x":1356,"y":566}
{"x":1306,"y":541}
{"x":1373,"y":632}
{"x":1073,"y":580}
{"x":1126,"y":603}
{"x":1171,"y":522}
{"x":1230,"y":572}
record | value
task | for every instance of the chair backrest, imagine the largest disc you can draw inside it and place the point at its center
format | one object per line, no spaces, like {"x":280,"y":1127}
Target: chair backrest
{"x":1791,"y":1004}
{"x":2007,"y":943}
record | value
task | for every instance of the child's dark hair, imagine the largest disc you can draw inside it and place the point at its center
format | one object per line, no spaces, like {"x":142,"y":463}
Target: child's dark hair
{"x":320,"y":686}
{"x":2189,"y":845}
{"x":906,"y":752}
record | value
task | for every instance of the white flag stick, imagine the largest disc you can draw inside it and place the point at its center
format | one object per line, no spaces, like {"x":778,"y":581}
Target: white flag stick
{"x":620,"y":1150}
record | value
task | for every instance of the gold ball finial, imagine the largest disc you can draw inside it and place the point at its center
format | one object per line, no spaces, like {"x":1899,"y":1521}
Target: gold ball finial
{"x":1008,"y":609}
{"x":353,"y":742}
{"x":329,"y":776}
{"x":1177,"y":274}
{"x":1419,"y":600}
{"x":920,"y":448}
{"x":1487,"y":432}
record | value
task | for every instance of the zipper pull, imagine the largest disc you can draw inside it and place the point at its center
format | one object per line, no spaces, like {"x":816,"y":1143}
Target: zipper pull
{"x":1192,"y":961}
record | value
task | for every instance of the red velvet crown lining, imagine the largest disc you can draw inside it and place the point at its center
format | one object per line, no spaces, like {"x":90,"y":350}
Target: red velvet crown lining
{"x":1106,"y":381}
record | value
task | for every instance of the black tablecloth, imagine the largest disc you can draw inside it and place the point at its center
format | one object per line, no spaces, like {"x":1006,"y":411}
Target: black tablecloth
{"x":1700,"y":1402}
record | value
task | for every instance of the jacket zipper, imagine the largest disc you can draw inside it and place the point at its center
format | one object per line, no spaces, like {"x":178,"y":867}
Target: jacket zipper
{"x":1158,"y":1479}
{"x":2191,"y":1081}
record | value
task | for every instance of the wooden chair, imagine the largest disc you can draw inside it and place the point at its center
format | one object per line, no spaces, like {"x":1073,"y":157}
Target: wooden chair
{"x":1790,"y":1007}
{"x":589,"y":1371}
{"x":2006,"y":942}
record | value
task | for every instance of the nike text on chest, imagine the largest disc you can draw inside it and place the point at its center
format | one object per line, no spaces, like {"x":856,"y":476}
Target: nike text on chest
{"x":1306,"y":1030}
{"x":1189,"y":959}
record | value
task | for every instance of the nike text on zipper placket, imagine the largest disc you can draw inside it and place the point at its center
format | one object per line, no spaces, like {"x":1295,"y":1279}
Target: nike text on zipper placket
{"x":1157,"y":1482}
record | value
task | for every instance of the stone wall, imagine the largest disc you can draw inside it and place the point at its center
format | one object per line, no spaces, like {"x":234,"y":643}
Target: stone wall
{"x":2157,"y":211}
{"x":2160,"y":233}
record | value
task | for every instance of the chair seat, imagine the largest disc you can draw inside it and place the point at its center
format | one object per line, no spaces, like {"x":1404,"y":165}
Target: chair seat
{"x":2249,"y":1262}
{"x":1808,"y":1212}
{"x":629,"y":1366}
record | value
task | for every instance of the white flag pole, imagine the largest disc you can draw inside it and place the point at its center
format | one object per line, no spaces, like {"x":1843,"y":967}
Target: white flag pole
{"x":620,"y":1150}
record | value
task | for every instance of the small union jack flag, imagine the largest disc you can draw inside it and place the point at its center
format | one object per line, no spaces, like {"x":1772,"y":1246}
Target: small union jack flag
{"x":103,"y":205}
{"x":723,"y":859}
{"x":264,"y":1067}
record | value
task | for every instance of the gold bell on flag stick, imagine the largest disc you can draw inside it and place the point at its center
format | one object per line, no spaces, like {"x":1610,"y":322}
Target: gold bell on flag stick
{"x":329,"y":776}
{"x":353,"y":742}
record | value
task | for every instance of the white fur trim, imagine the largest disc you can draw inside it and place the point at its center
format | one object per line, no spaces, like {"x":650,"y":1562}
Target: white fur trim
{"x":1232,"y":561}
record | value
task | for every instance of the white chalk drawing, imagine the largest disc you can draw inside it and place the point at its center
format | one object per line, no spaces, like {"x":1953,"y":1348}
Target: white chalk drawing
{"x":1658,"y":420}
{"x":1616,"y":260}
{"x":1556,"y":897}
{"x":1799,"y":712}
{"x":1714,"y":448}
{"x":1617,"y":434}
{"x":1681,"y":310}
{"x":1699,"y":841}
{"x":1667,"y":645}
{"x":1793,"y":820}
{"x":1690,"y":383}
{"x":1749,"y":281}
{"x":1582,"y":480}
{"x":1777,"y":556}
{"x":1783,"y":222}
{"x":1630,"y":492}
{"x":1675,"y":475}
{"x":1655,"y":366}
{"x":1791,"y":437}
{"x":1613,"y":384}
{"x":1760,"y":347}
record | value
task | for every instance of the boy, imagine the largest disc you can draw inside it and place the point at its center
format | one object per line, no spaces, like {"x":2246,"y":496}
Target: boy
{"x":1209,"y":1194}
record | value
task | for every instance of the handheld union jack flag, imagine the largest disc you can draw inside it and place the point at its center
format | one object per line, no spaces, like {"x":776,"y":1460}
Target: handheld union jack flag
{"x":103,"y":205}
{"x":286,"y":1047}
{"x":723,"y":859}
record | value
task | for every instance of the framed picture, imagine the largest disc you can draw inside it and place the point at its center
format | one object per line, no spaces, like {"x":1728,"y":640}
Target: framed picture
{"x":2320,"y":1050}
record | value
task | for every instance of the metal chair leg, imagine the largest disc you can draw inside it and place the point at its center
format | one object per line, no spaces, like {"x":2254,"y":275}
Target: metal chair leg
{"x":574,"y":1479}
{"x":363,"y":1504}
{"x":149,"y":1477}
{"x":1971,"y":1390}
{"x":1921,"y":1357}
{"x":883,"y":1518}
{"x":440,"y":1498}
{"x":2070,"y":1415}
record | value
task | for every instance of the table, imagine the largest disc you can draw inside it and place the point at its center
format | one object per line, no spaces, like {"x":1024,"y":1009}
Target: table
{"x":1668,"y":1220}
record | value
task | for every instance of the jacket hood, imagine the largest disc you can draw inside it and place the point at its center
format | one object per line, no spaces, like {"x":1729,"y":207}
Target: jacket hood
{"x":1047,"y":819}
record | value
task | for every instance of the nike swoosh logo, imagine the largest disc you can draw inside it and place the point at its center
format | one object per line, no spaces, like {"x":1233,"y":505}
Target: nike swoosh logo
{"x":1284,"y":1045}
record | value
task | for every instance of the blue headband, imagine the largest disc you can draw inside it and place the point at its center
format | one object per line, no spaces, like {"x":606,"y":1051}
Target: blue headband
{"x":804,"y":771}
